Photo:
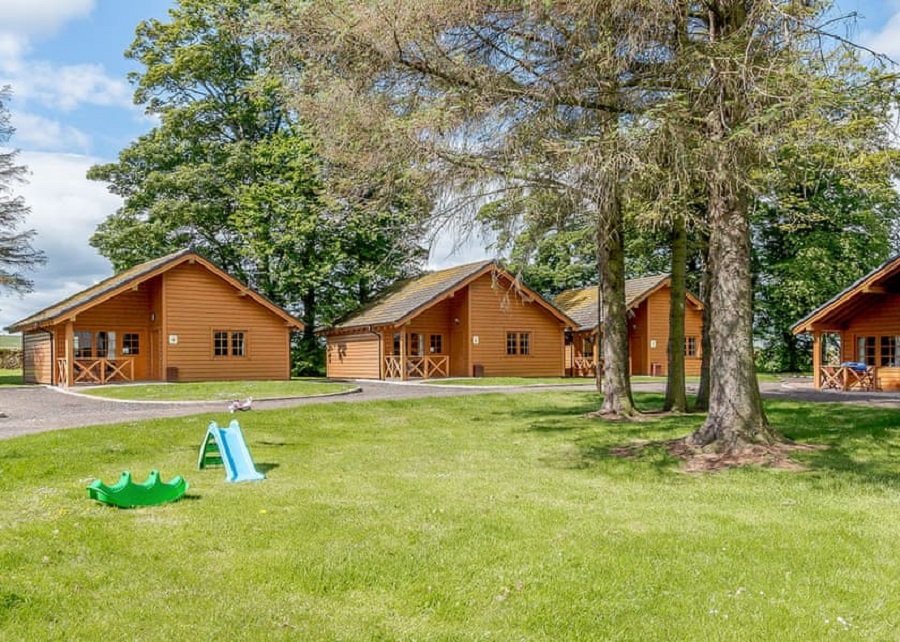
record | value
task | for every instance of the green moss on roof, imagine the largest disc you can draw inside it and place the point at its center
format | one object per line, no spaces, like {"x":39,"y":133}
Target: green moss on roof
{"x":582,"y":303}
{"x":86,"y":296}
{"x":407,"y":296}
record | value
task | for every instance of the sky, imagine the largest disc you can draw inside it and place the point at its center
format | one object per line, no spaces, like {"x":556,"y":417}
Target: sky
{"x":72,"y":108}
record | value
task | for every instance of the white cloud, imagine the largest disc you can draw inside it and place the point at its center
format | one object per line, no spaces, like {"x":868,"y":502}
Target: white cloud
{"x":454,"y":245}
{"x":40,"y":17}
{"x":65,"y":210}
{"x":39,"y":133}
{"x":64,"y":87}
{"x":887,"y":39}
{"x":38,"y":82}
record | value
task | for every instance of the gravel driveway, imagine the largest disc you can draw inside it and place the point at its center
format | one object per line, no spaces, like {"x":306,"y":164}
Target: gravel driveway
{"x":31,"y":409}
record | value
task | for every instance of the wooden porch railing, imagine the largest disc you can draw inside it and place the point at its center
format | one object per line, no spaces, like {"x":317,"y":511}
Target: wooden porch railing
{"x":425,"y":367}
{"x":583,"y":366}
{"x":62,"y":373}
{"x":95,"y":371}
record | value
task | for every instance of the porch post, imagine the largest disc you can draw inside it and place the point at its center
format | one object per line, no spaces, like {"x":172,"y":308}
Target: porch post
{"x":403,"y":353}
{"x":817,"y":358}
{"x":70,"y":353}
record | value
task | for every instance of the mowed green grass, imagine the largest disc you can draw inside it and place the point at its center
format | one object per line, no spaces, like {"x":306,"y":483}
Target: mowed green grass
{"x":11,"y":377}
{"x":512,"y":381}
{"x":217,"y":390}
{"x":489,"y":518}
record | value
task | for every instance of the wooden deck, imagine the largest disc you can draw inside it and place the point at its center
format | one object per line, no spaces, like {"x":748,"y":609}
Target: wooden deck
{"x":847,"y":378}
{"x":425,"y":367}
{"x":99,"y":371}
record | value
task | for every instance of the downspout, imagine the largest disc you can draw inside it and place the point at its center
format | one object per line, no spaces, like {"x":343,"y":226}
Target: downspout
{"x":378,"y":336}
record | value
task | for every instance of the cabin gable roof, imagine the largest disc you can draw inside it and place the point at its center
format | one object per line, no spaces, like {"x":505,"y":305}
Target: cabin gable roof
{"x":582,"y":303}
{"x":132,"y":277}
{"x":885,"y":279}
{"x":409,"y":298}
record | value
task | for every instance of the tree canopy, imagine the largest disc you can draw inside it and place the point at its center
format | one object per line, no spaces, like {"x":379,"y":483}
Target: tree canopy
{"x":17,"y":254}
{"x":234,"y":172}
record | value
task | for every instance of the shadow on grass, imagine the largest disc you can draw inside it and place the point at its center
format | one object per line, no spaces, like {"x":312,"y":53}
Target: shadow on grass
{"x":266,"y":467}
{"x":588,"y":442}
{"x":862,"y":444}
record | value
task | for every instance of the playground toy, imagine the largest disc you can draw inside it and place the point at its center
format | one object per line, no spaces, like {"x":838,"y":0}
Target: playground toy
{"x":226,"y":446}
{"x":237,"y":404}
{"x":127,"y":494}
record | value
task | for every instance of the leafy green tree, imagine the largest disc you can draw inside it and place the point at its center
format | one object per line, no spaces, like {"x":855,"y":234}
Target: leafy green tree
{"x":496,"y":100}
{"x":17,"y":254}
{"x":831,"y":212}
{"x":232,"y":171}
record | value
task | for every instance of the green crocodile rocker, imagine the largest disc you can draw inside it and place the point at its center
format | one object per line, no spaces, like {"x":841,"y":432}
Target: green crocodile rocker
{"x":126,"y":494}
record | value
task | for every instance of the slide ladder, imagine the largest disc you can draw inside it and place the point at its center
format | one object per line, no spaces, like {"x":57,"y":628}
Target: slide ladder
{"x":226,"y":446}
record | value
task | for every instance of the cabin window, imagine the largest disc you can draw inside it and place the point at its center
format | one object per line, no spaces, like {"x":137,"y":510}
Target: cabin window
{"x":416,"y":345}
{"x":690,"y":346}
{"x":587,"y":346}
{"x":229,"y":343}
{"x":524,"y":343}
{"x":436,"y":344}
{"x":890,"y":351}
{"x":396,"y":344}
{"x":518,"y":343}
{"x":237,"y":344}
{"x":865,"y":350}
{"x":106,"y":345}
{"x":84,"y":345}
{"x":131,"y":343}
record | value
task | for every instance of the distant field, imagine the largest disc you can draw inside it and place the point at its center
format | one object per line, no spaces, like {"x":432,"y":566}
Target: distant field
{"x":10,"y":342}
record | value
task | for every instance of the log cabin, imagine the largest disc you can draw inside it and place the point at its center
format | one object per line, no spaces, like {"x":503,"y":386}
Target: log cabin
{"x":647,"y":300}
{"x":175,"y":318}
{"x":856,"y":334}
{"x":470,"y":320}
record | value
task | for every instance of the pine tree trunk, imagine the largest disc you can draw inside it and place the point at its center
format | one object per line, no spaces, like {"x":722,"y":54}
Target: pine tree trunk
{"x":701,"y":404}
{"x":676,"y":396}
{"x":736,"y":417}
{"x":617,"y":399}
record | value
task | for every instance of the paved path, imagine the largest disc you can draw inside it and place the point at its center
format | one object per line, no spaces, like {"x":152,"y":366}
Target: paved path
{"x":32,"y":409}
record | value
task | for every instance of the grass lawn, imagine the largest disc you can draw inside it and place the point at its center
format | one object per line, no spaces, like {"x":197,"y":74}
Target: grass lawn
{"x":11,"y":377}
{"x":217,"y":390}
{"x":511,"y":381}
{"x":496,"y":518}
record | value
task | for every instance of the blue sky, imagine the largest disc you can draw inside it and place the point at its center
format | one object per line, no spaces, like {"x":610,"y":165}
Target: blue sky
{"x":72,"y":108}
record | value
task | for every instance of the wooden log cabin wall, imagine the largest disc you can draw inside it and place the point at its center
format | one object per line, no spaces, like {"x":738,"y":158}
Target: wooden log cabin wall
{"x":176,"y":318}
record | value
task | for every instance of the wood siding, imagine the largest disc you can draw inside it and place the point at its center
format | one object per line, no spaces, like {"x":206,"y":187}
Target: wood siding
{"x":198,"y":303}
{"x":37,"y":357}
{"x":657,"y":310}
{"x":648,"y":336}
{"x":638,"y":341}
{"x":129,"y":312}
{"x":481,"y":311}
{"x":879,"y":320}
{"x":497,"y":310}
{"x":352,"y":356}
{"x":460,"y":365}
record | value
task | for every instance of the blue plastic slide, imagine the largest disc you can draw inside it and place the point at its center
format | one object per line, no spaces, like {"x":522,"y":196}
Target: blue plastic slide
{"x":227,"y":446}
